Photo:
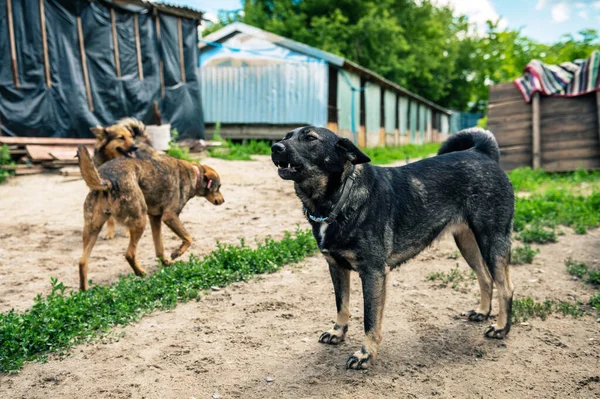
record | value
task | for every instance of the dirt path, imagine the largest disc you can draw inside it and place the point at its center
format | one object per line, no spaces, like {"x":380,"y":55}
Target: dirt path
{"x":229,"y":343}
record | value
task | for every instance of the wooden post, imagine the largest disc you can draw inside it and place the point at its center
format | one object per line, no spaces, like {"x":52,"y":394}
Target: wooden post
{"x":138,"y":48}
{"x":113,"y":21}
{"x":86,"y":77}
{"x":598,"y":110}
{"x":537,"y":147}
{"x":13,"y":48}
{"x":160,"y":62}
{"x":181,"y":59}
{"x":45,"y":44}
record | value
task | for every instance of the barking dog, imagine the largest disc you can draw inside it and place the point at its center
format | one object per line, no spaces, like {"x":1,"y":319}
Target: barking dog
{"x":372,"y":219}
{"x":130,"y":189}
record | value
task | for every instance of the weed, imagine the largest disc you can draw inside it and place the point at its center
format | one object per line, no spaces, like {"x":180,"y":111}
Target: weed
{"x":526,"y":308}
{"x":175,"y":150}
{"x":454,"y":276}
{"x":522,"y":255}
{"x":575,"y":268}
{"x":454,"y":255}
{"x":63,"y":319}
{"x":595,"y":301}
{"x":386,"y":155}
{"x":530,"y":180}
{"x":5,"y":162}
{"x":537,"y":234}
{"x":241,"y":152}
{"x":580,"y":270}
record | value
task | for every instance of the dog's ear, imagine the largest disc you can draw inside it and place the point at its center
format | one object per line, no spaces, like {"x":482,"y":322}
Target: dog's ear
{"x":351,"y":152}
{"x":98,"y":131}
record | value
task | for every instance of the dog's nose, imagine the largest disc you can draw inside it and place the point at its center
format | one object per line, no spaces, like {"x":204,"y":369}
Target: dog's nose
{"x":277,"y":147}
{"x":133,"y":148}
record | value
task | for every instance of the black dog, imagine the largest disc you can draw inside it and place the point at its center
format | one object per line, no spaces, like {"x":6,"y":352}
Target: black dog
{"x":371,"y":219}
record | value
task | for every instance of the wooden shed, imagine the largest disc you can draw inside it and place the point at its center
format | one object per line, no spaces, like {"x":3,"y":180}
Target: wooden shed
{"x":555,"y":133}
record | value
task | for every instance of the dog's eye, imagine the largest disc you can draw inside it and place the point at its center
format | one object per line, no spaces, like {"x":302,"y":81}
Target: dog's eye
{"x":310,"y":138}
{"x":122,"y":138}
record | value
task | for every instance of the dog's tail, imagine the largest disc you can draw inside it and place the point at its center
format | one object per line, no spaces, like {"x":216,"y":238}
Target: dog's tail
{"x":89,"y":172}
{"x":136,"y":126}
{"x":480,"y":139}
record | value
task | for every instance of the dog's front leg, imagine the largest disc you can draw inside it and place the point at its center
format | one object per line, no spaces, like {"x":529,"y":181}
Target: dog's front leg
{"x":174,"y":223}
{"x":341,"y":284}
{"x":374,"y":292}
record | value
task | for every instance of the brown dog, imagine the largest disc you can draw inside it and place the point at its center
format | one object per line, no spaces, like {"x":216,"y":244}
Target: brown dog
{"x":126,"y":138}
{"x":129,"y":189}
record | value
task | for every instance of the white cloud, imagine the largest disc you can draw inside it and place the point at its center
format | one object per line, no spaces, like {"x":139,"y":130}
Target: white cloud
{"x":583,"y":15}
{"x":560,"y":12}
{"x":478,"y":11}
{"x":596,"y":5}
{"x":579,"y":5}
{"x":541,"y":4}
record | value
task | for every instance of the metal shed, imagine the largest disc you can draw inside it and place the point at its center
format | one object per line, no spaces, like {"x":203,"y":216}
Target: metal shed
{"x":256,"y":84}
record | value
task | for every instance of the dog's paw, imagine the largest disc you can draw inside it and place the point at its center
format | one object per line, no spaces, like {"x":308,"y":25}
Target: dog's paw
{"x":166,"y":262}
{"x":360,"y":360}
{"x":175,"y":254}
{"x":334,"y":336}
{"x":493,"y":332}
{"x":109,"y":235}
{"x":475,"y":316}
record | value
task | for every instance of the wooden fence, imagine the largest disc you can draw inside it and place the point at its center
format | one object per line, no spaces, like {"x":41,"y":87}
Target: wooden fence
{"x":554,"y":133}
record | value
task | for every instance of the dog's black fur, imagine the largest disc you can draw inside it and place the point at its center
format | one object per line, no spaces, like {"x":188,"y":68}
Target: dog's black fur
{"x":392,"y":214}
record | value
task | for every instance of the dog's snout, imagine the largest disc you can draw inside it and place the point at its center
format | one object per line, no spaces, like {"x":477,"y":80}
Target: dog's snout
{"x":133,"y":148}
{"x":277,"y":148}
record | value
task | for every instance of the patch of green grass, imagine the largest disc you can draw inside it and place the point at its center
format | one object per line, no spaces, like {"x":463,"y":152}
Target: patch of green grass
{"x":523,"y":255}
{"x":595,"y":301}
{"x":454,"y":277}
{"x":582,"y":271}
{"x":63,"y":319}
{"x":538,"y":180}
{"x":526,"y":308}
{"x":239,"y":151}
{"x":5,"y":161}
{"x":386,"y":155}
{"x":176,"y":151}
{"x":537,"y":234}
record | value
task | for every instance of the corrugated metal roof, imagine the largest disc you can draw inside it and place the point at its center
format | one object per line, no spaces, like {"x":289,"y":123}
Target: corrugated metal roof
{"x":173,"y":9}
{"x":333,"y":59}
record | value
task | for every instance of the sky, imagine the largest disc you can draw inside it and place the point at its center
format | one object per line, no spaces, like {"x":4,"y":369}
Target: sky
{"x":543,"y":20}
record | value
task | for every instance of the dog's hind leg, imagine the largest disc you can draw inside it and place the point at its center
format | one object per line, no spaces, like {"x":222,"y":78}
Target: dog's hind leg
{"x":159,"y":248}
{"x":505,"y":289}
{"x":136,"y":229}
{"x":341,"y":284}
{"x":465,"y":240}
{"x":94,"y":220}
{"x":174,"y":223}
{"x":374,"y":283}
{"x":110,"y":228}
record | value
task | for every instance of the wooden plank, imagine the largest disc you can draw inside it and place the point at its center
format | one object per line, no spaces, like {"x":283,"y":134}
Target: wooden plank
{"x":517,"y":137}
{"x":39,"y":153}
{"x":86,"y":77}
{"x":113,"y":21}
{"x":13,"y":47}
{"x":588,"y":118}
{"x":505,"y":92}
{"x":181,"y":57}
{"x":507,"y":119}
{"x":160,"y":62}
{"x":569,"y":131}
{"x":572,"y":164}
{"x":535,"y":131}
{"x":28,"y":170}
{"x":22,"y":141}
{"x":45,"y":44}
{"x":573,"y":153}
{"x":504,"y":128}
{"x":567,"y":105}
{"x":570,"y":143}
{"x":138,"y":47}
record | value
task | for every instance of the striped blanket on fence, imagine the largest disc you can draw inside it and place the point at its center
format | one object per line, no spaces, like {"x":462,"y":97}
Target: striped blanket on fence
{"x":568,"y":79}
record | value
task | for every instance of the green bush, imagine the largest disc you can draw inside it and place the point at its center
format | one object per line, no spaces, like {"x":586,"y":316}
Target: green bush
{"x":62,"y":319}
{"x":386,"y":155}
{"x":5,"y":161}
{"x":526,"y":308}
{"x":241,"y":152}
{"x":537,"y":234}
{"x":581,"y":270}
{"x":177,"y":151}
{"x":523,"y":255}
{"x":595,"y":301}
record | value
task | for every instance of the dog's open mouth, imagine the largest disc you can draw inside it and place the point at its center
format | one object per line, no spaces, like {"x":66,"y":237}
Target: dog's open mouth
{"x":286,"y":169}
{"x":125,"y":153}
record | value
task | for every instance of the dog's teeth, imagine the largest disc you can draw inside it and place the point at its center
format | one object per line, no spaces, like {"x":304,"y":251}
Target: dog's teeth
{"x":289,"y":165}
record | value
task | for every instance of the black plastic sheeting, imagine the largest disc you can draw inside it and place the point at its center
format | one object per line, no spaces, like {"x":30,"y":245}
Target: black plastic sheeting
{"x":35,"y":110}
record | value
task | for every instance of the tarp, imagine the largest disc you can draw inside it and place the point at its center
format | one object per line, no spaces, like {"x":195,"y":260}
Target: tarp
{"x":36,"y":110}
{"x":569,"y":79}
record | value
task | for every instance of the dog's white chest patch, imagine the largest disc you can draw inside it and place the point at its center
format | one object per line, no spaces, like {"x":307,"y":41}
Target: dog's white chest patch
{"x":322,"y":231}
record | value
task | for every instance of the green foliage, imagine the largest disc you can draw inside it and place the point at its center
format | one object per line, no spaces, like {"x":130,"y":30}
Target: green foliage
{"x":177,"y":151}
{"x":241,"y":152}
{"x":537,"y":234}
{"x":595,"y":301}
{"x":4,"y":162}
{"x":582,"y":271}
{"x":62,"y":319}
{"x":523,"y":255}
{"x":526,"y":308}
{"x":453,"y":277}
{"x":428,"y":49}
{"x":386,"y":155}
{"x":538,"y":181}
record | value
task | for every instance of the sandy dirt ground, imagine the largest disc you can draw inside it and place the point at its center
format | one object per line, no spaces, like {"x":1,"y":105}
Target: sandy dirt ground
{"x":259,"y":339}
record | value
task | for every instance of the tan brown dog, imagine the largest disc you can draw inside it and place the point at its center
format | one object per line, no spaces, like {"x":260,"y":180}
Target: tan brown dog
{"x":126,"y":138}
{"x":129,"y":189}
